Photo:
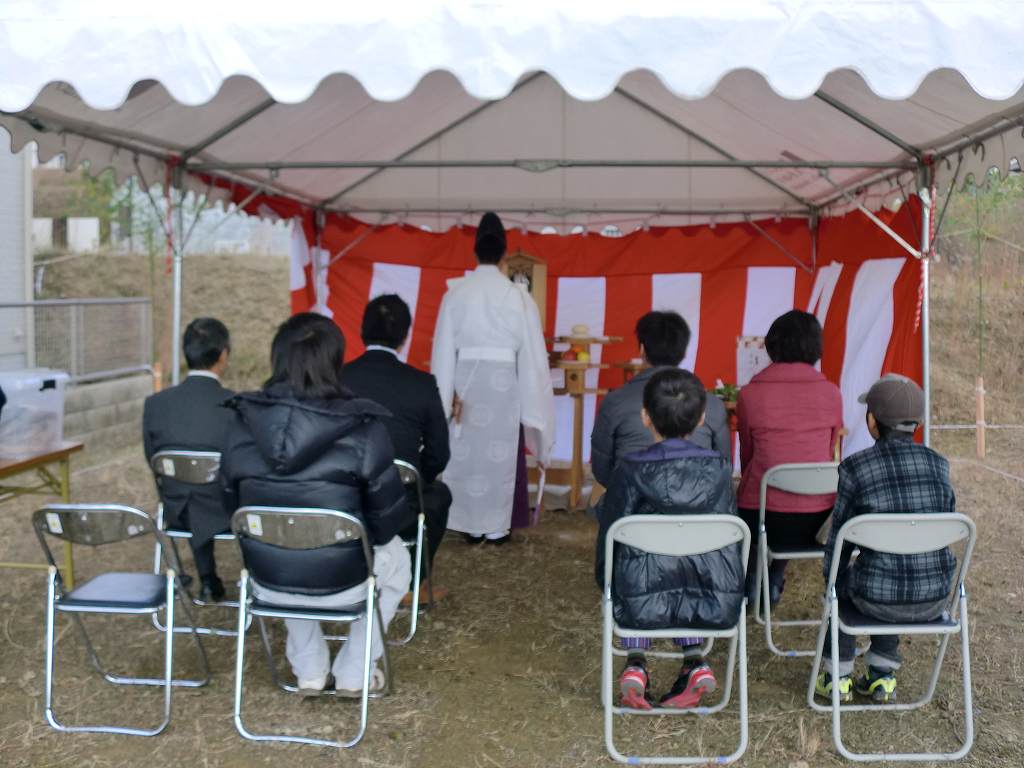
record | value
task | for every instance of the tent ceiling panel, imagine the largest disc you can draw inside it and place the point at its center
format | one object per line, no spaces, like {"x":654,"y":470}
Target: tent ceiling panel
{"x":943,"y":109}
{"x":644,"y":84}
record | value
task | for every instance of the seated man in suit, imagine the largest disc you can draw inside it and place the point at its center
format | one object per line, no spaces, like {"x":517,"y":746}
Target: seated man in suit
{"x":619,"y":430}
{"x":189,"y":417}
{"x":418,"y":427}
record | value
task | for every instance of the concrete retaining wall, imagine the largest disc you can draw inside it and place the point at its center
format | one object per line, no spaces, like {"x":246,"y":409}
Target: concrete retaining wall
{"x":107,"y":412}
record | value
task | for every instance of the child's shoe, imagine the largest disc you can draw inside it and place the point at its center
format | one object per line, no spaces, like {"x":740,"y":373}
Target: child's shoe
{"x":633,"y":686}
{"x":693,"y":682}
{"x":823,"y":687}
{"x":879,"y":684}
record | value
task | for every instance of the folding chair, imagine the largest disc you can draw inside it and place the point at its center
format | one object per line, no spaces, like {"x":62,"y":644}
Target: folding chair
{"x":806,"y":479}
{"x":680,"y":536}
{"x":900,"y":534}
{"x":97,"y":525}
{"x":410,"y":477}
{"x":191,"y":468}
{"x":306,"y":529}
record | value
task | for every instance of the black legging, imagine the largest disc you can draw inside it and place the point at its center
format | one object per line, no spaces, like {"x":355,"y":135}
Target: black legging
{"x":786,"y":530}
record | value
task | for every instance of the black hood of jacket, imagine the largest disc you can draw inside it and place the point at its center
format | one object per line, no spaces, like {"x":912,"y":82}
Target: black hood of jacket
{"x":291,"y":433}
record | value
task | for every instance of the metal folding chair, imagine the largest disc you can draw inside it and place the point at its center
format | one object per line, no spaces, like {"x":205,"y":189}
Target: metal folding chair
{"x":901,"y":534}
{"x":809,"y":479}
{"x":96,"y":525}
{"x":302,"y":528}
{"x":192,"y":468}
{"x":680,"y":536}
{"x":410,"y":477}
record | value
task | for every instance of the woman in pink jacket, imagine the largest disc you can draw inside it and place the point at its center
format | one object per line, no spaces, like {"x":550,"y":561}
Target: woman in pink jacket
{"x":788,"y":413}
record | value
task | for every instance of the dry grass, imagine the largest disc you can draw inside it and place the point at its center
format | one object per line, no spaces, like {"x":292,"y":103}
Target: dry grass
{"x":249,"y":293}
{"x":506,"y":671}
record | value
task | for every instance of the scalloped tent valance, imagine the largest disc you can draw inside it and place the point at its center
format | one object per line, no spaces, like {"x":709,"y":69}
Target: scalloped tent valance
{"x":566,"y":113}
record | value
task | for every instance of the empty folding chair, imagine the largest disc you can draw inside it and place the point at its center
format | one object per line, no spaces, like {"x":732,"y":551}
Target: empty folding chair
{"x":316,"y":531}
{"x":808,"y":479}
{"x":96,"y":525}
{"x":191,"y":468}
{"x":900,"y":534}
{"x":680,"y":536}
{"x":420,"y":561}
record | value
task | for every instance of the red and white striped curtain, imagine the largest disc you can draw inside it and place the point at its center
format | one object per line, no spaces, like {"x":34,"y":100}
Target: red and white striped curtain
{"x":728,"y":281}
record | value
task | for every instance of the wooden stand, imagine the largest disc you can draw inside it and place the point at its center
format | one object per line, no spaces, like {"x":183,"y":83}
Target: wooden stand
{"x":629,"y":369}
{"x":576,"y":388}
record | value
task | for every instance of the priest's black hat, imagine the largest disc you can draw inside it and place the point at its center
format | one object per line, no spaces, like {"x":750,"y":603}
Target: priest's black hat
{"x":490,"y":239}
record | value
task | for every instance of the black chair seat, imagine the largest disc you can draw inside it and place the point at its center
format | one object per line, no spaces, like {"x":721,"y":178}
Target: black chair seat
{"x":851,"y":617}
{"x":130,"y":591}
{"x":351,"y":611}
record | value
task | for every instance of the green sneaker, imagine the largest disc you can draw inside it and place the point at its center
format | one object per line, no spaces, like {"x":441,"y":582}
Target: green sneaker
{"x":823,"y":687}
{"x":879,"y":684}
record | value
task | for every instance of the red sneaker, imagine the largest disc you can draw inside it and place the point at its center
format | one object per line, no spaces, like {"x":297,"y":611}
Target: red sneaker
{"x":692,"y":683}
{"x":633,"y":687}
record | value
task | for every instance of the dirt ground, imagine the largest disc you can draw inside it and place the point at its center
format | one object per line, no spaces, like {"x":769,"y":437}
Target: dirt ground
{"x":505,"y":672}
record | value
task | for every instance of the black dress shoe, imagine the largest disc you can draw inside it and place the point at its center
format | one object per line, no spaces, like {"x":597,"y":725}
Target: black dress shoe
{"x":499,"y":541}
{"x":212,"y":591}
{"x":473,"y":539}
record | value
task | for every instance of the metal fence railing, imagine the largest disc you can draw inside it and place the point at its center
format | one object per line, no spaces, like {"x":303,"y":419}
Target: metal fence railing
{"x":89,"y":338}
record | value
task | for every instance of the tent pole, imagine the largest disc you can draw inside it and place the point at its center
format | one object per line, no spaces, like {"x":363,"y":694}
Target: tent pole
{"x":814,"y":238}
{"x":917,"y":254}
{"x":542,"y":165}
{"x":318,"y":268}
{"x":176,"y":246}
{"x":779,"y":246}
{"x":926,"y":356}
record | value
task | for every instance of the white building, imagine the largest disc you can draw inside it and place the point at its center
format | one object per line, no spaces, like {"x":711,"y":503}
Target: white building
{"x":16,"y":330}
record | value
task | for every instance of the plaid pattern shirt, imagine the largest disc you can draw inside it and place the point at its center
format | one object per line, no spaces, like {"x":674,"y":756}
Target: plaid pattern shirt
{"x":895,"y":475}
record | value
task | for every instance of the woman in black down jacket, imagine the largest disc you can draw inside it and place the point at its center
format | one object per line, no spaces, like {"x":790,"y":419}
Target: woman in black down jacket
{"x":672,"y":477}
{"x":304,"y":441}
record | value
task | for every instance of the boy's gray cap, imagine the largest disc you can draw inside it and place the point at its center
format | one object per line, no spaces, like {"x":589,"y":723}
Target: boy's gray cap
{"x":896,"y":401}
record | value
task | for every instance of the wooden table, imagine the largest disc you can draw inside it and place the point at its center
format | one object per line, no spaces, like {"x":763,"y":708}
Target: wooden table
{"x":43,"y":483}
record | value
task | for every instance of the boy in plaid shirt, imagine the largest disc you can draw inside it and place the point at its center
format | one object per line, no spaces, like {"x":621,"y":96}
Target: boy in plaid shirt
{"x":895,"y":475}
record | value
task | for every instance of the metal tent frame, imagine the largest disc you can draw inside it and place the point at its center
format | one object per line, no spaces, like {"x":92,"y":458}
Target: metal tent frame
{"x":912,"y":159}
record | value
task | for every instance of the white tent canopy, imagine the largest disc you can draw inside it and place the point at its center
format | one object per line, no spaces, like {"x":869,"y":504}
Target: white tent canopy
{"x":656,"y":114}
{"x":550,"y":113}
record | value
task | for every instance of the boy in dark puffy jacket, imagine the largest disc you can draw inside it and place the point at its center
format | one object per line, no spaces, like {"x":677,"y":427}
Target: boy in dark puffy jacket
{"x":672,"y":477}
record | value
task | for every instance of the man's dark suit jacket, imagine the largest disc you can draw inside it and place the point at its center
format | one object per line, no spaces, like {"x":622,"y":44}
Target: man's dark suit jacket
{"x":418,"y":428}
{"x":189,"y":417}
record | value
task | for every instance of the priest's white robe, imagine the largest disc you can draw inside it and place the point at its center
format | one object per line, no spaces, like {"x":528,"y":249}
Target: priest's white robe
{"x":489,"y":349}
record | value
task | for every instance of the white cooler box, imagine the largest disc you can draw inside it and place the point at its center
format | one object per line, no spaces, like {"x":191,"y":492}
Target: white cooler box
{"x":33,"y":419}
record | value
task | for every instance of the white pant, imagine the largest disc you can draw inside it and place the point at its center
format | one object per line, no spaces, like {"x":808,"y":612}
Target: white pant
{"x":307,"y":649}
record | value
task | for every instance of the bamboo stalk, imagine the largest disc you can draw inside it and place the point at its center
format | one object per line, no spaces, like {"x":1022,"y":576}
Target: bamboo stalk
{"x":980,"y":416}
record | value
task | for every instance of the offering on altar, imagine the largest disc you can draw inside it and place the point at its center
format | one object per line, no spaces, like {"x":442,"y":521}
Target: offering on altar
{"x":582,"y":346}
{"x":579,"y":345}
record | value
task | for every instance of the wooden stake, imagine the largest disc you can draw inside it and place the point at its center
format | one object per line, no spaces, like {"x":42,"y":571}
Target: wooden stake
{"x":158,"y":376}
{"x":980,"y":416}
